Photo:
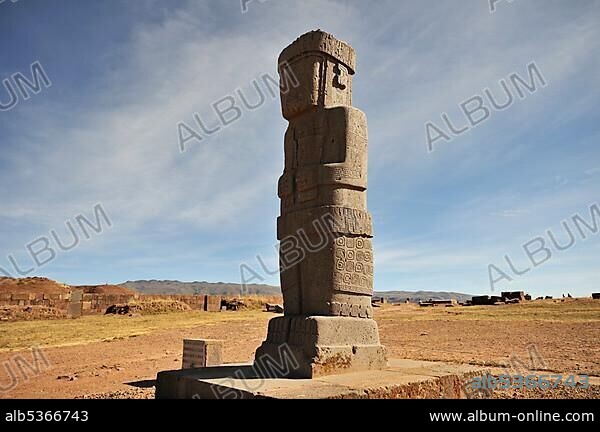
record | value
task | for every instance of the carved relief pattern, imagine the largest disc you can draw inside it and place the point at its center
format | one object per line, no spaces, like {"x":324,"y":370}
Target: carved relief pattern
{"x":353,"y":265}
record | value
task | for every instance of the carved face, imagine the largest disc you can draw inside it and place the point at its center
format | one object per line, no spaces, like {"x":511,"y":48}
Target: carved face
{"x":312,"y":81}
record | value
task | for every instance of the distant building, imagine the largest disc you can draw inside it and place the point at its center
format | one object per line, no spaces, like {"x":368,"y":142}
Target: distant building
{"x":481,"y":300}
{"x":514,"y":295}
{"x":486,"y":300}
{"x":439,"y":303}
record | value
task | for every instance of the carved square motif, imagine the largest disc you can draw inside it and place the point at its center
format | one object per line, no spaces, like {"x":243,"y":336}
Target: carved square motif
{"x":364,"y":282}
{"x":355,"y":279}
{"x":350,"y":242}
{"x":360,"y":256}
{"x":345,"y":309}
{"x":350,"y":266}
{"x":340,"y":241}
{"x":368,"y":256}
{"x":340,"y":254}
{"x":360,"y":243}
{"x":350,"y":255}
{"x":339,"y":265}
{"x":360,"y":268}
{"x":347,"y":278}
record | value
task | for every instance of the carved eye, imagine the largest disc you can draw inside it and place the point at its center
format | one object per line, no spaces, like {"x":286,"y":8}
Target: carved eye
{"x":337,"y":80}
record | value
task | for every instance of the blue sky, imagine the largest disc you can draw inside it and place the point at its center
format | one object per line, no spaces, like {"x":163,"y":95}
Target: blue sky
{"x":125,"y":73}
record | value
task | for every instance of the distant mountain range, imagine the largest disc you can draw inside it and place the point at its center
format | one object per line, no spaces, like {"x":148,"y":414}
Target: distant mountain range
{"x":231,"y":289}
{"x":198,"y":288}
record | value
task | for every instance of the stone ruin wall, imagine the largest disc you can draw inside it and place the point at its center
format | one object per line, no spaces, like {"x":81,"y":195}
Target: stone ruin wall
{"x":93,"y":304}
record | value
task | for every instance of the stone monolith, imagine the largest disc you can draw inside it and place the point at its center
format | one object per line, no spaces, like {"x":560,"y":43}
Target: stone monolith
{"x":325,"y":229}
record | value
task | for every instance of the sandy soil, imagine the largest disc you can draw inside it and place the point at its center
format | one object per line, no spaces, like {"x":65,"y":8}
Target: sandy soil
{"x":126,"y":367}
{"x":115,"y":365}
{"x":571,"y":347}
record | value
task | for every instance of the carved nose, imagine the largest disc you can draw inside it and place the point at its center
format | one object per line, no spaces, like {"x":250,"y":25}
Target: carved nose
{"x":337,"y":80}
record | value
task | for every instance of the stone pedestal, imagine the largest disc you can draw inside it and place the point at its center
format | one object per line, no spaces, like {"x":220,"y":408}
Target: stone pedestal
{"x":402,"y":379}
{"x":322,"y":346}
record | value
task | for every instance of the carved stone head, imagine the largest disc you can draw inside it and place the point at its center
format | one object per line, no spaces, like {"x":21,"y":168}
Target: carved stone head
{"x":315,"y":72}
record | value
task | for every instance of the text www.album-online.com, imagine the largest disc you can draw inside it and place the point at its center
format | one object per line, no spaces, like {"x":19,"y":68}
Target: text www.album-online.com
{"x":536,"y":416}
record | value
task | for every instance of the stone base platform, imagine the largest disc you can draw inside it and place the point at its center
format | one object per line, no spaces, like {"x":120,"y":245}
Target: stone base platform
{"x":402,"y":379}
{"x":311,"y":347}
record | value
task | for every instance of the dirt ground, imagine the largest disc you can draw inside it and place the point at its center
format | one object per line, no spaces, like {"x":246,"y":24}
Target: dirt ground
{"x":564,"y":337}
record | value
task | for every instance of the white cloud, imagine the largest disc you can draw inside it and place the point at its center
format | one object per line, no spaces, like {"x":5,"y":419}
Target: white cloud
{"x":415,"y":62}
